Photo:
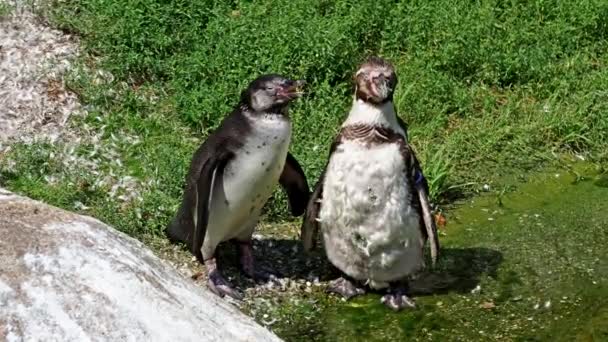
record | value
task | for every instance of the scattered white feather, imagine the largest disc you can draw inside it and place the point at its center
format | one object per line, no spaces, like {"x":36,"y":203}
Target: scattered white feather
{"x":34,"y":102}
{"x":36,"y":106}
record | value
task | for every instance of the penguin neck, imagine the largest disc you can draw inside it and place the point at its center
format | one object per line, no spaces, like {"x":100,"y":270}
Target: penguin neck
{"x":366,"y":113}
{"x":277,"y":110}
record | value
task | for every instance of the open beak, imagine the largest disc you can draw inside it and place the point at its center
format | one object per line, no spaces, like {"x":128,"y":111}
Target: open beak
{"x":296,"y":89}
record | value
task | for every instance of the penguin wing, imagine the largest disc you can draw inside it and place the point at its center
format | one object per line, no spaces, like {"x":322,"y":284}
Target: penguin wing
{"x":212,"y":170}
{"x":420,"y":188}
{"x":310,"y":224}
{"x":207,"y":164}
{"x":185,"y":227}
{"x":403,"y":126}
{"x":294,"y":182}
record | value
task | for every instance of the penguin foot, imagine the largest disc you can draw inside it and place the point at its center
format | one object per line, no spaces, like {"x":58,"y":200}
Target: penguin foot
{"x":397,"y":300}
{"x":216,"y":282}
{"x":345,"y":288}
{"x":221,"y":287}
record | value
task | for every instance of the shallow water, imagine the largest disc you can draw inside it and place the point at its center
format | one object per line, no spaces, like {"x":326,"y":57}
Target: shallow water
{"x":530,"y":264}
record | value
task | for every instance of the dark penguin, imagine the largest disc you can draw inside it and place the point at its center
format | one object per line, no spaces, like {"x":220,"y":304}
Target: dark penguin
{"x":371,"y":202}
{"x":233,"y":174}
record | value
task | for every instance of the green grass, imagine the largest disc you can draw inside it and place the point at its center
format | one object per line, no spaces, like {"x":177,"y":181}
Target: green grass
{"x":5,"y":9}
{"x":488,"y":88}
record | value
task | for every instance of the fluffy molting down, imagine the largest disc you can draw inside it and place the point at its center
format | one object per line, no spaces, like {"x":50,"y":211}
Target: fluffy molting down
{"x":371,"y":203}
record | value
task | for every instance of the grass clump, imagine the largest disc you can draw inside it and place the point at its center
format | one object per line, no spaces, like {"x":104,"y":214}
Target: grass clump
{"x":487,"y":88}
{"x":5,"y":9}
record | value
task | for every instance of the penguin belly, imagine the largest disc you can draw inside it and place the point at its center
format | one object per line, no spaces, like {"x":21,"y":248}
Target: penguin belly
{"x":370,"y":230}
{"x":247,"y":183}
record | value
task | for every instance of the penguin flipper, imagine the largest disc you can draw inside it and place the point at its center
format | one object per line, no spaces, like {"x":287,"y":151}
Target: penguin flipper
{"x":403,"y":126}
{"x":210,"y":172}
{"x":310,"y":224}
{"x":295,"y":184}
{"x":421,"y":189}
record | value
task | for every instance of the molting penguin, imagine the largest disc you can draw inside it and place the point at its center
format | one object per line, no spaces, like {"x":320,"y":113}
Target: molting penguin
{"x":371,"y":201}
{"x":234,"y":172}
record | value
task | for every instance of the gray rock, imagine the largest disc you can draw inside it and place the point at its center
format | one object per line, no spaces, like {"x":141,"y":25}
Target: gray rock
{"x":66,"y":277}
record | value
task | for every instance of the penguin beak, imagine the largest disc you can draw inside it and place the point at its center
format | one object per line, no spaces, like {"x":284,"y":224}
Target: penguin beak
{"x":376,"y":83}
{"x":293,"y":90}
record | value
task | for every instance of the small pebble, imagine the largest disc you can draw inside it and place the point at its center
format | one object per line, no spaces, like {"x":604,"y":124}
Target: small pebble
{"x":487,"y":305}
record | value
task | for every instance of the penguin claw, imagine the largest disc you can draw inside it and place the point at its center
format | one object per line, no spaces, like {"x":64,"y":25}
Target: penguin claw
{"x":218,"y":285}
{"x":345,"y":288}
{"x":398,"y":301}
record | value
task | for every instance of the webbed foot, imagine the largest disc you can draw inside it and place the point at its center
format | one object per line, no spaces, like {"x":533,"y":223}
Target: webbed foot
{"x":217,"y":284}
{"x":397,"y":299}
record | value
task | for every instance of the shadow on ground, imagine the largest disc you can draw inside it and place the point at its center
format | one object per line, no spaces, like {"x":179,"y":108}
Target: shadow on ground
{"x":458,"y":270}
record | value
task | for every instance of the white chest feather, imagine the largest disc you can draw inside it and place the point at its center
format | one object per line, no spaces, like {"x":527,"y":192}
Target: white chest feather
{"x":259,"y":163}
{"x":367,"y":114}
{"x":370,"y":230}
{"x":249,"y":180}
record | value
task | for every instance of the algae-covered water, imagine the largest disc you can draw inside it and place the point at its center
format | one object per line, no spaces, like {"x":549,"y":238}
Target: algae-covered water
{"x":526,"y":262}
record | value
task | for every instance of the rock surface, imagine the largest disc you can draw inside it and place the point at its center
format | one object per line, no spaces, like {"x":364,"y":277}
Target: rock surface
{"x":72,"y":278}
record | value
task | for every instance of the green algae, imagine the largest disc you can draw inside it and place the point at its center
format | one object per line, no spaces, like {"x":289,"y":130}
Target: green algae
{"x":528,"y":262}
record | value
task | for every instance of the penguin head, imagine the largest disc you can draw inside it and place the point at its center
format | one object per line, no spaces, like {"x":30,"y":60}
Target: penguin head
{"x":375,"y":81}
{"x":271,"y":93}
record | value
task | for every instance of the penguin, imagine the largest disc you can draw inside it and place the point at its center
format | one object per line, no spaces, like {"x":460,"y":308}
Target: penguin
{"x":233,"y":174}
{"x":371,"y":202}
